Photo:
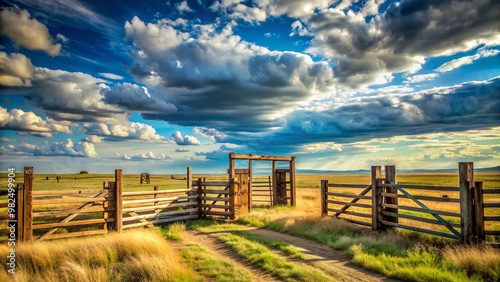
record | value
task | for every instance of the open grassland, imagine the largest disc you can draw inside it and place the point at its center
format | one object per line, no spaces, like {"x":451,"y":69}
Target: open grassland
{"x":305,"y":184}
{"x":139,"y":255}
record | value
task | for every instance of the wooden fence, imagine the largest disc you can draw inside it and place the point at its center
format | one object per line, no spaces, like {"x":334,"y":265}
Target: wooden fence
{"x":44,"y":215}
{"x":381,"y":210}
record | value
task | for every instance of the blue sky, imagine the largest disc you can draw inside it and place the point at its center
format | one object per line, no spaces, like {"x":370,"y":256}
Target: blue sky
{"x":160,"y":85}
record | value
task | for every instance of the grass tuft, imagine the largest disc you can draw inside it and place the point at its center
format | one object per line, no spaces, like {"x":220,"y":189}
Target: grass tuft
{"x":483,"y":260}
{"x":139,"y":255}
{"x":211,"y":266}
{"x":173,"y":231}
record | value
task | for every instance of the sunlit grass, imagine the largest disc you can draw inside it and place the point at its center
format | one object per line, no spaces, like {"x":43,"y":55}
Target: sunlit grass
{"x":211,"y":266}
{"x":259,"y":255}
{"x":140,"y":255}
{"x":391,"y":253}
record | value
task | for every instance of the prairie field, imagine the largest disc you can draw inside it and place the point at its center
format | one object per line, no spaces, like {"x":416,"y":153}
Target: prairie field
{"x":264,"y":245}
{"x":307,"y":190}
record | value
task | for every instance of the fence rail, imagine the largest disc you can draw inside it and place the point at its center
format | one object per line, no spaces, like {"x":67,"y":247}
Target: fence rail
{"x":74,"y":213}
{"x":386,"y":211}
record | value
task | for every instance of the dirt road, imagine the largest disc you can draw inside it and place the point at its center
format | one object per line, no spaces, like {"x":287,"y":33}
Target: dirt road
{"x":333,"y":263}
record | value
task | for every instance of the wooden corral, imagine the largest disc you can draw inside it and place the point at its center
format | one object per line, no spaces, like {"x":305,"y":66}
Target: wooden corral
{"x":280,"y":193}
{"x":120,"y":210}
{"x":145,"y":178}
{"x":385,"y":208}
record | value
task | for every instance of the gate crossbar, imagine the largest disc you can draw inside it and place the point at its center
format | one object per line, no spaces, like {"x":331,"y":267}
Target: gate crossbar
{"x":438,"y":217}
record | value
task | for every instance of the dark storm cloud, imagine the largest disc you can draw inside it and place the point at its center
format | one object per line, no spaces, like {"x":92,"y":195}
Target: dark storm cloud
{"x":399,"y":39}
{"x":473,"y":105}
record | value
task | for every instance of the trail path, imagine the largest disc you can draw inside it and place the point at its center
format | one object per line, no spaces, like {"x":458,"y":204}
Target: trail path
{"x":221,"y":250}
{"x":333,"y":263}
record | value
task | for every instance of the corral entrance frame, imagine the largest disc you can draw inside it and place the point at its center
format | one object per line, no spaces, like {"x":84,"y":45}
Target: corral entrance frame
{"x":278,"y":179}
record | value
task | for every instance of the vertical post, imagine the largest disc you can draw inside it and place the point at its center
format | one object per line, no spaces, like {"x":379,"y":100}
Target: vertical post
{"x":233,"y":186}
{"x":156,"y":189}
{"x":324,"y":197}
{"x":200,"y":193}
{"x":118,"y":200}
{"x":28,"y":204}
{"x":390,"y":177}
{"x":19,"y":212}
{"x":244,"y":195}
{"x":376,"y":197}
{"x":231,"y":165}
{"x":250,"y":185}
{"x":479,"y":210}
{"x":293,"y":194}
{"x":106,"y":204}
{"x":275,"y":190}
{"x":466,"y":177}
{"x":189,"y":178}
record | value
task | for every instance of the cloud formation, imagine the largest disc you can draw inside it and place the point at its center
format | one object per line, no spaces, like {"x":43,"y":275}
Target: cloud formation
{"x":27,"y":32}
{"x":210,"y":133}
{"x":212,"y":75}
{"x":66,"y":148}
{"x":29,"y":123}
{"x":124,"y":130}
{"x":186,"y":140}
{"x":15,"y":69}
{"x":398,"y":40}
{"x":142,"y":157}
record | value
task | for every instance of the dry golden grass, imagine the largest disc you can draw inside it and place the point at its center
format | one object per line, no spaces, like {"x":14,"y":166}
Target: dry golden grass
{"x":484,"y":260}
{"x":139,"y":255}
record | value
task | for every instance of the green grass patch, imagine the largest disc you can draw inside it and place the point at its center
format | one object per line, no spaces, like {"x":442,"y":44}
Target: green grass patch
{"x":173,"y":231}
{"x":260,"y":255}
{"x":211,"y":266}
{"x":391,"y":253}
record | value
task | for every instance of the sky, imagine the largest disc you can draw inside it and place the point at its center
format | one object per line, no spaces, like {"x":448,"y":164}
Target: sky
{"x":156,"y":86}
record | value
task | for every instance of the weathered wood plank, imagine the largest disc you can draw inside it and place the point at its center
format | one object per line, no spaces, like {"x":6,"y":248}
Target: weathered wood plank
{"x":423,"y":187}
{"x":72,"y":223}
{"x":455,"y":214}
{"x":147,"y":208}
{"x":219,"y":213}
{"x":425,"y":198}
{"x":259,"y":157}
{"x":158,"y":215}
{"x":418,"y":229}
{"x":491,"y":191}
{"x":144,"y":193}
{"x":366,"y":206}
{"x":61,"y":212}
{"x":349,"y":196}
{"x":351,"y":213}
{"x":159,"y":200}
{"x":348,"y":185}
{"x":420,"y":219}
{"x":73,"y":234}
{"x":28,"y":204}
{"x":65,"y":192}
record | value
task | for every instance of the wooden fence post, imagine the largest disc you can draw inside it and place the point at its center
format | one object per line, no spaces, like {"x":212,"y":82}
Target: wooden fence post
{"x":155,"y":188}
{"x":28,"y":204}
{"x":275,"y":190}
{"x":293,"y":194}
{"x":189,"y":178}
{"x":466,"y":177}
{"x":376,"y":173}
{"x":19,"y":212}
{"x":232,"y":188}
{"x":250,"y":180}
{"x":479,"y":211}
{"x":324,"y":197}
{"x":200,"y":193}
{"x":118,"y":200}
{"x":390,"y":177}
{"x":106,"y":204}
